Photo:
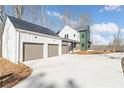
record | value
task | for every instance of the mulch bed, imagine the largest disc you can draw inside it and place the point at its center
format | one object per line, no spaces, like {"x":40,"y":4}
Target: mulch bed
{"x":91,"y":52}
{"x":11,"y":74}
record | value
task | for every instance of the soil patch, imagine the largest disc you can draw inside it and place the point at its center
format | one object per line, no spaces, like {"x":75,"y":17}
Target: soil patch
{"x":11,"y":74}
{"x":92,"y":52}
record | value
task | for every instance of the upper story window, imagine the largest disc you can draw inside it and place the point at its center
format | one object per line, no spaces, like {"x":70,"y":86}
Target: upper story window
{"x":82,"y":36}
{"x":74,"y":35}
{"x":66,"y":35}
{"x":83,"y":45}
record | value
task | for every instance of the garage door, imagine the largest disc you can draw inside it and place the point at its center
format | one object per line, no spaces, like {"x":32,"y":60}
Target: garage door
{"x":52,"y":50}
{"x":77,"y":46}
{"x":32,"y":51}
{"x":65,"y":49}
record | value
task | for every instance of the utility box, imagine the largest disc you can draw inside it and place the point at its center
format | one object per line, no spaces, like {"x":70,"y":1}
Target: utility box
{"x":85,"y":39}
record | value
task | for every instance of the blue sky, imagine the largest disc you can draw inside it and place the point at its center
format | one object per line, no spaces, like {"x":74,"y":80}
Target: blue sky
{"x":106,"y":20}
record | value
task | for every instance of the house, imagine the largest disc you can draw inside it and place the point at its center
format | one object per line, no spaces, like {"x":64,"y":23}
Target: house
{"x":72,"y":36}
{"x":23,"y":41}
{"x":85,"y":42}
{"x":79,"y":39}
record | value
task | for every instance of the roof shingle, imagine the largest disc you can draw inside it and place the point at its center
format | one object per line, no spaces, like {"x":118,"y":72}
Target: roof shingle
{"x":24,"y":25}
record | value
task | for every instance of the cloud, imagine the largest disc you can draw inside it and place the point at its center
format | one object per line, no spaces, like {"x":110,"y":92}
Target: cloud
{"x":56,"y":14}
{"x":72,"y":23}
{"x":98,"y":39}
{"x":111,"y":8}
{"x":102,"y":34}
{"x":108,"y":28}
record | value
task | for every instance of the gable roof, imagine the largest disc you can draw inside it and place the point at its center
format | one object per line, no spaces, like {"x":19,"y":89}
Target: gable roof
{"x":24,"y":25}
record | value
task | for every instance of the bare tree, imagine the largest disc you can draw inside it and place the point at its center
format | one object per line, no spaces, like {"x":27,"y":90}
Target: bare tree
{"x":43,"y":15}
{"x":18,"y":11}
{"x":117,"y":42}
{"x":2,"y":14}
{"x":66,"y":16}
{"x":33,"y":14}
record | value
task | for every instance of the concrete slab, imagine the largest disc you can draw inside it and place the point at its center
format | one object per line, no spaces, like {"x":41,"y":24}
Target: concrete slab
{"x":92,"y":71}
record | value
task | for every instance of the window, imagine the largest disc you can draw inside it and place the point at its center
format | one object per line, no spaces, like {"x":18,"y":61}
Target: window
{"x":74,"y":35}
{"x":83,"y":45}
{"x":67,"y":35}
{"x":82,"y":36}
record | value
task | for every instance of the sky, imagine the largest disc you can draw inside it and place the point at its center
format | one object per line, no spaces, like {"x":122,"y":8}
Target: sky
{"x":106,"y":20}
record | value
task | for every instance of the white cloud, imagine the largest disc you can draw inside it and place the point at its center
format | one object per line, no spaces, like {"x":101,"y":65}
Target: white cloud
{"x":122,"y":30}
{"x":108,"y":28}
{"x":56,"y":14}
{"x":98,"y":39}
{"x":111,"y":8}
{"x":72,"y":23}
{"x":102,"y":34}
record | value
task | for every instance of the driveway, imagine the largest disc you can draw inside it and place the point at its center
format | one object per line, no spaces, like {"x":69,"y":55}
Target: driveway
{"x":73,"y":70}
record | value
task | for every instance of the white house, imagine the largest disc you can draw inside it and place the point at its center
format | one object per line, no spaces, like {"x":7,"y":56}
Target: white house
{"x":72,"y":35}
{"x":23,"y":41}
{"x":69,"y":33}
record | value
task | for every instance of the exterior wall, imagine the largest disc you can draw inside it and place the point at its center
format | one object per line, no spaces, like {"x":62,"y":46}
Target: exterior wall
{"x":9,"y":41}
{"x":84,"y":40}
{"x":70,"y":31}
{"x":37,"y":38}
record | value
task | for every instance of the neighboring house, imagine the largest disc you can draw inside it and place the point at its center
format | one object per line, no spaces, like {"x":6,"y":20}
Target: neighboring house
{"x":69,"y":33}
{"x":81,"y":37}
{"x":72,"y":36}
{"x":85,"y":42}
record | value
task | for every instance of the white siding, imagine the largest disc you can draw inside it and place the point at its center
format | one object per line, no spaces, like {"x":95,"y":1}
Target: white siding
{"x":9,"y":42}
{"x":13,"y":39}
{"x":71,"y":32}
{"x":30,"y":37}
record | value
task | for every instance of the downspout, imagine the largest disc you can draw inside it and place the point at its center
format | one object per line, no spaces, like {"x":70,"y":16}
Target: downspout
{"x":18,"y":46}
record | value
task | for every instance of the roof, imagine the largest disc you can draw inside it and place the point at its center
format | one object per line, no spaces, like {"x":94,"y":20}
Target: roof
{"x":24,"y":25}
{"x":83,"y":28}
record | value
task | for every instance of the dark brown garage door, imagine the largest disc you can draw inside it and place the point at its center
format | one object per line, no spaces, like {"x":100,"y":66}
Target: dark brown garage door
{"x":32,"y":51}
{"x":65,"y":49}
{"x":52,"y":50}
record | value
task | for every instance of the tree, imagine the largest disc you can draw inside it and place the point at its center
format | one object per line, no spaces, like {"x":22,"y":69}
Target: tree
{"x":43,"y":15}
{"x":2,"y":14}
{"x":117,"y":42}
{"x":66,"y":16}
{"x":18,"y":11}
{"x":33,"y":14}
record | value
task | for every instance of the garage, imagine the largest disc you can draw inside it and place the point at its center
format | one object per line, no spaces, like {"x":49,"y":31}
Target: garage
{"x":78,"y":46}
{"x":32,"y":51}
{"x":52,"y":50}
{"x":65,"y":49}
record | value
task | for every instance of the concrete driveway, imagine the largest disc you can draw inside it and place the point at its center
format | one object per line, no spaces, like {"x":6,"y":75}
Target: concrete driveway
{"x":73,"y":70}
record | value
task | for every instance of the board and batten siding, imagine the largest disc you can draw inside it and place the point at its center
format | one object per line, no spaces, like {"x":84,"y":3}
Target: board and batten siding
{"x":72,"y":33}
{"x":37,"y":38}
{"x":13,"y":39}
{"x":9,"y":47}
